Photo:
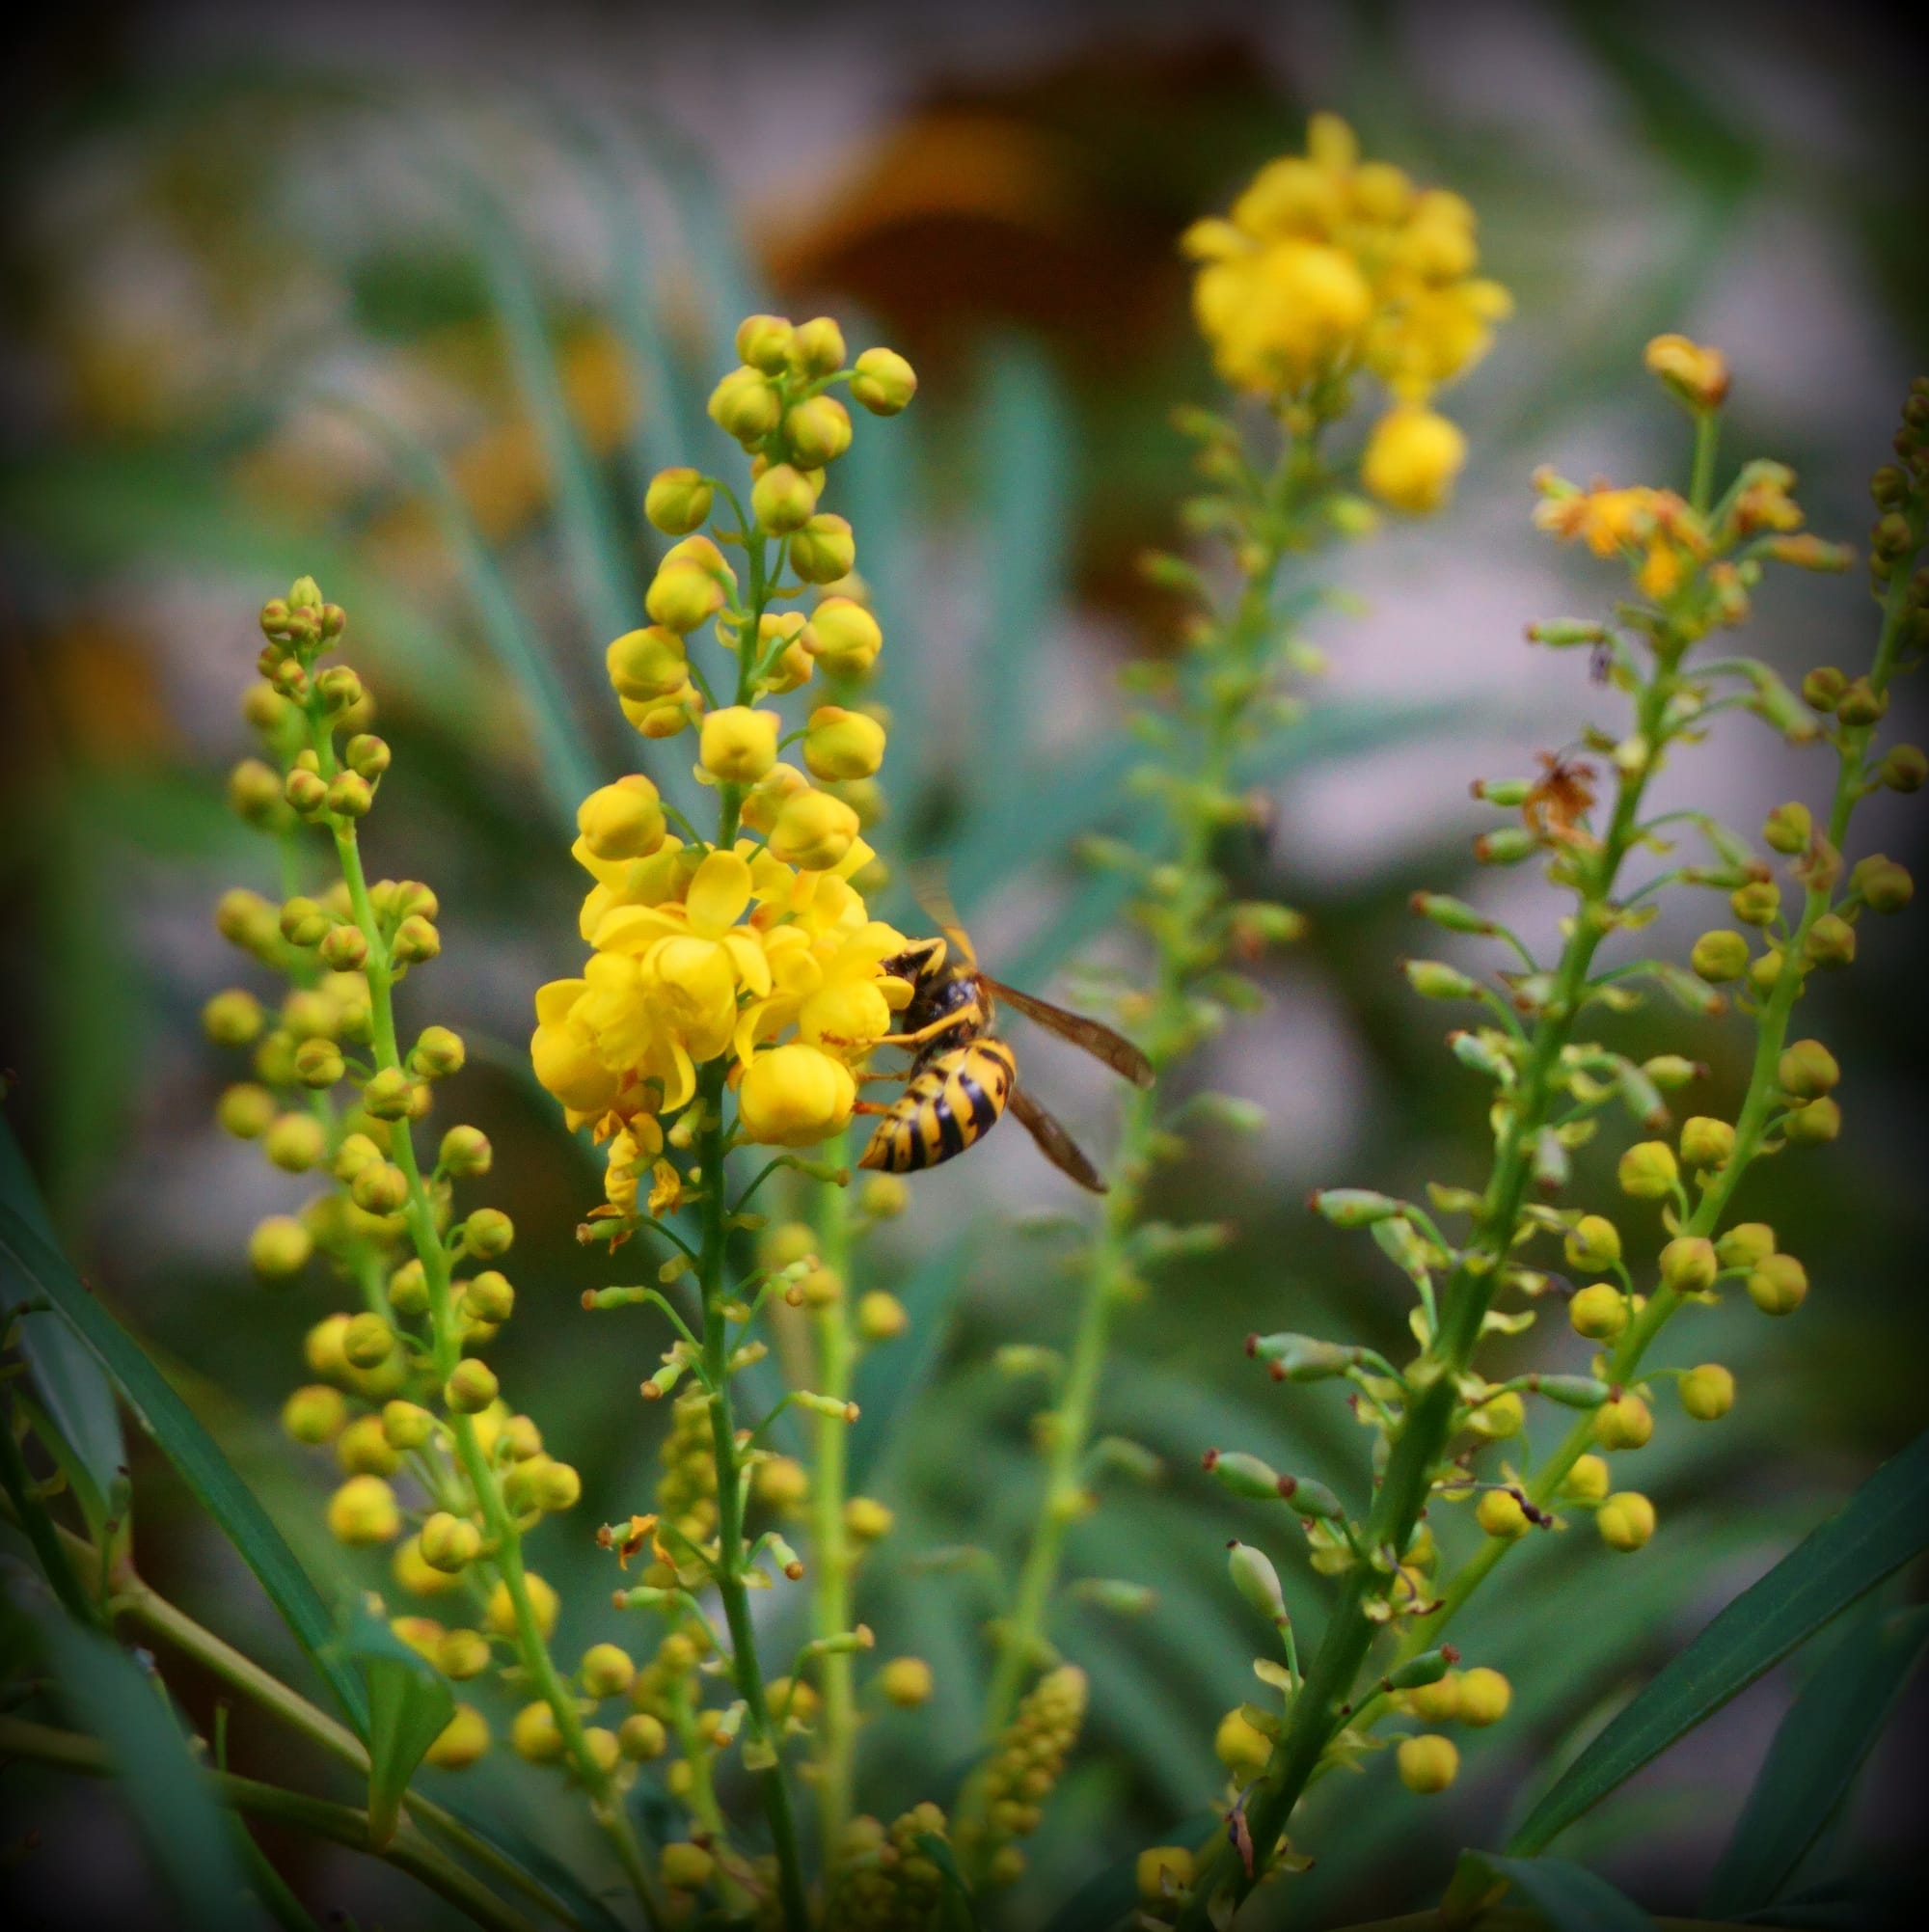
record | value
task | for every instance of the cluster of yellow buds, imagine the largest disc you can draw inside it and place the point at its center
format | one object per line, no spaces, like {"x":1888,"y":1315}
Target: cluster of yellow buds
{"x":1328,"y":267}
{"x":752,"y":946}
{"x":1023,"y":1770}
{"x":882,"y":1879}
{"x":433,"y":1462}
{"x":1448,"y":1434}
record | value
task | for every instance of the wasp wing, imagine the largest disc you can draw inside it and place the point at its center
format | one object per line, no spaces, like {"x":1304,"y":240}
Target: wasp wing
{"x":1054,"y":1143}
{"x":928,"y":884}
{"x":1098,"y":1039}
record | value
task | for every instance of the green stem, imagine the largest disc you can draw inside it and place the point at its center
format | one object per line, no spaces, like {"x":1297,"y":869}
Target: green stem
{"x":830,"y":1551}
{"x":760,"y":1735}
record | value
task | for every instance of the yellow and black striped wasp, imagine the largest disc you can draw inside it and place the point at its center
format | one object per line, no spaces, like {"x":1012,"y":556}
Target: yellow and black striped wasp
{"x":961,"y":1077}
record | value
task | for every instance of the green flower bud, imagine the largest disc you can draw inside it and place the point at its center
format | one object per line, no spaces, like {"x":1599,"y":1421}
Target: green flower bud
{"x":279,"y":1246}
{"x":641,"y":1737}
{"x":379,"y":1188}
{"x":1777,"y":1284}
{"x":472,"y":1388}
{"x":882,"y":382}
{"x":818,"y":431}
{"x":1433,"y":980}
{"x":1299,"y":1358}
{"x":438,"y":1052}
{"x":302,"y":922}
{"x":1823,"y":687}
{"x":1720,"y":956}
{"x":246,"y":1110}
{"x":1257,"y":1581}
{"x":408,"y":1290}
{"x":406,"y":1425}
{"x":345,"y":949}
{"x":1670,"y":1070}
{"x":488,"y":1232}
{"x":1353,"y":1206}
{"x":1756,"y":902}
{"x":677,"y":500}
{"x":448,"y":1542}
{"x":1626,"y":1423}
{"x":1599,"y":1312}
{"x":1885,"y":886}
{"x":1648,"y":1171}
{"x":415,"y":941}
{"x":1831,"y":942}
{"x":823,"y":550}
{"x":1594,"y":1243}
{"x":350,"y":795}
{"x":1626,"y":1521}
{"x":387,"y":1096}
{"x":880,"y":1317}
{"x":685,"y":1868}
{"x":254,"y":792}
{"x":465,"y":1152}
{"x":1766,"y":971}
{"x":490,"y":1296}
{"x":1571,"y":1391}
{"x":1905,"y":768}
{"x":232,"y":1018}
{"x":1745,"y":1245}
{"x":1788,"y":828}
{"x":1706,"y":1142}
{"x":1708,"y":1393}
{"x":1861,"y":704}
{"x":1813,"y":1125}
{"x":295,"y":1143}
{"x":607,"y":1670}
{"x":1507,"y":846}
{"x":1689,"y":1264}
{"x":367,"y":1342}
{"x":316,"y":1414}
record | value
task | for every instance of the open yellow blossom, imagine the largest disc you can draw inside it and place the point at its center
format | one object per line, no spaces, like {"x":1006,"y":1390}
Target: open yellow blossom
{"x":1412,"y":458}
{"x":831,"y":990}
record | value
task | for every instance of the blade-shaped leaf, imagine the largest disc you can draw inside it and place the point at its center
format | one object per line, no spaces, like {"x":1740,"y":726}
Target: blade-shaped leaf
{"x":1882,"y":1526}
{"x":31,"y":1268}
{"x":409,"y":1703}
{"x":1818,"y":1749}
{"x":1567,"y":1897}
{"x":889,"y":1382}
{"x":958,"y":1912}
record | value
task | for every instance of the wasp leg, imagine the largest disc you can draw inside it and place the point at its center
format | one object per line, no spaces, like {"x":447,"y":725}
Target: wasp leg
{"x":949,"y":1024}
{"x":872,"y":1107}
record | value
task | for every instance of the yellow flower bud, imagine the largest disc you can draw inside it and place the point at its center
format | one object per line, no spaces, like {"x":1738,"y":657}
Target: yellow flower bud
{"x":607,"y":1670}
{"x":1162,"y":1873}
{"x":279,"y":1246}
{"x":1485,"y":1696}
{"x":624,"y":819}
{"x":866,"y":1520}
{"x":1831,"y":942}
{"x":677,"y":500}
{"x":1689,"y":1264}
{"x":1706,"y":1142}
{"x":795,"y":1095}
{"x":1624,"y":1424}
{"x":816,"y":347}
{"x":1625,"y":1520}
{"x":685,"y":1868}
{"x":418,"y":1578}
{"x":379,"y":1188}
{"x":814,"y":831}
{"x":232,"y":1018}
{"x":470,"y":1388}
{"x":1428,"y":1763}
{"x":844,"y":637}
{"x":840,"y":745}
{"x":465,"y":1152}
{"x":1437,"y":1702}
{"x":782,"y":1483}
{"x":882,"y":382}
{"x":739,"y":744}
{"x":880,"y":1317}
{"x":884,"y":1196}
{"x":1788,"y":828}
{"x":1499,"y":1514}
{"x":641,"y":1737}
{"x":364,"y":1449}
{"x":1720,"y":956}
{"x":1745,"y":1245}
{"x":316,"y":1414}
{"x":905,"y":1681}
{"x":1695,"y":375}
{"x":1708,"y":1393}
{"x":647,"y":664}
{"x":1806,"y":1071}
{"x":295,"y":1143}
{"x":245,"y":1110}
{"x":783,"y":500}
{"x":1648,"y":1171}
{"x":461,"y":1741}
{"x":1503,"y":1416}
{"x":1594,"y":1243}
{"x":406,"y":1425}
{"x":1778,"y":1285}
{"x":490,"y":1296}
{"x":1241,"y":1748}
{"x":1412,"y":458}
{"x":823,"y":550}
{"x":682,"y":596}
{"x":1587,"y":1480}
{"x":745,"y":405}
{"x":501,"y":1614}
{"x":763,"y":343}
{"x":818,"y":431}
{"x":364,"y":1510}
{"x":367,"y":1342}
{"x":1885,"y":886}
{"x":488,"y":1233}
{"x":1599,"y":1312}
{"x":1813,"y":1125}
{"x":1756,"y":904}
{"x":535,"y":1735}
{"x":448,"y":1542}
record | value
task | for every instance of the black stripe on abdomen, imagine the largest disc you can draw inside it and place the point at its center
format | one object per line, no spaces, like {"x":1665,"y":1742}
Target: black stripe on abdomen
{"x":950,"y":1136}
{"x":984,"y":1109}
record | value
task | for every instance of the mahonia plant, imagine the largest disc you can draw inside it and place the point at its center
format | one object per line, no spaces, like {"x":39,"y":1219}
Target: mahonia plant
{"x":1447,"y":1439}
{"x":1331,"y":270}
{"x":735,"y":984}
{"x":402,"y":1392}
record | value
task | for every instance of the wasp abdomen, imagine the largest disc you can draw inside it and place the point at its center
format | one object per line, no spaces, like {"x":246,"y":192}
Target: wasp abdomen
{"x":953,"y":1099}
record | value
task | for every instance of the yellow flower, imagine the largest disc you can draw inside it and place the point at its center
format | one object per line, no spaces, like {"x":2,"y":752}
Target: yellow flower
{"x":563,"y":1050}
{"x":1412,"y":458}
{"x":1695,"y":373}
{"x":795,"y":1095}
{"x":1279,"y":316}
{"x":831,"y":989}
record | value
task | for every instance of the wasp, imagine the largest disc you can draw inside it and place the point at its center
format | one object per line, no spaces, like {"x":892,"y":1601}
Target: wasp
{"x":962,"y":1077}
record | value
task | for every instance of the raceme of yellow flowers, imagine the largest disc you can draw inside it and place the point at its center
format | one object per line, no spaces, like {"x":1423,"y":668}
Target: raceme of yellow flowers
{"x":1329,"y":266}
{"x":752,"y":946}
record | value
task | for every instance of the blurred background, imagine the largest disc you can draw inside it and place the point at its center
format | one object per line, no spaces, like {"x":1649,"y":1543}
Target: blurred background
{"x":415,"y":298}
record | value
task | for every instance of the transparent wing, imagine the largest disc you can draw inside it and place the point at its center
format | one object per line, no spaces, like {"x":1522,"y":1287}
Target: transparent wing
{"x":1054,"y":1143}
{"x":1098,"y":1039}
{"x":928,"y":884}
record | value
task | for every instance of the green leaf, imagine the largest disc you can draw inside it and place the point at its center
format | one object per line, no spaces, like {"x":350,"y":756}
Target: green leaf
{"x":1565,"y":1897}
{"x":1819,"y":1747}
{"x":408,"y":1705}
{"x":889,"y":1382}
{"x":184,"y":1830}
{"x":1883,"y":1525}
{"x":960,"y":1909}
{"x":1110,"y":1896}
{"x":31,"y":1267}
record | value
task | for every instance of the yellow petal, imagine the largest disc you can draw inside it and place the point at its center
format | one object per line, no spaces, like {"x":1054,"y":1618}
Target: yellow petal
{"x":719,"y":893}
